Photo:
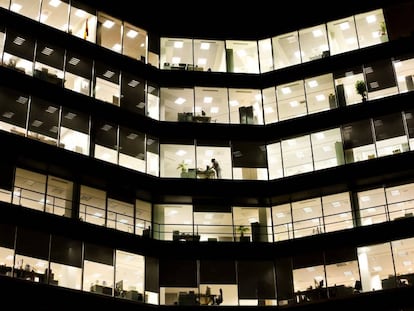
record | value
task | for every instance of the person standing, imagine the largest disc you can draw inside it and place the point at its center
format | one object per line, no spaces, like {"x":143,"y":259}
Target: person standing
{"x":216,"y":167}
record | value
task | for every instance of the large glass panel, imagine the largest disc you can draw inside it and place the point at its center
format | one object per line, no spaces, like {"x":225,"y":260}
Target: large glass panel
{"x":242,"y":56}
{"x":376,"y":267}
{"x":253,"y":223}
{"x":120,"y":215}
{"x":43,"y":121}
{"x":176,"y":54}
{"x":178,"y":160}
{"x":65,"y":263}
{"x":82,"y":21}
{"x":153,"y":102}
{"x":265,"y":55}
{"x":327,"y":149}
{"x":409,"y":120}
{"x":342,"y":272}
{"x":7,"y":240}
{"x":98,"y":270}
{"x":174,"y":222}
{"x":129,"y":276}
{"x":13,"y":111}
{"x":78,"y":75}
{"x":32,"y":254}
{"x":109,"y":32}
{"x":107,"y":83}
{"x":358,"y":141}
{"x":380,"y":79}
{"x":345,"y":81}
{"x":270,"y":105}
{"x":390,"y":135}
{"x":249,"y":160}
{"x":274,"y":160}
{"x":2,"y":41}
{"x":309,"y":278}
{"x":55,"y":14}
{"x":297,"y":156}
{"x":371,"y":28}
{"x":214,"y":225}
{"x":49,"y":63}
{"x":206,"y":151}
{"x":106,"y":141}
{"x":74,"y":131}
{"x":211,"y":105}
{"x":337,"y":212}
{"x":404,"y":72}
{"x":19,"y":52}
{"x":342,"y":35}
{"x":29,"y":189}
{"x":28,"y":8}
{"x":372,"y":207}
{"x":59,"y":196}
{"x":132,"y":149}
{"x":246,"y":106}
{"x":134,"y":42}
{"x":209,"y":55}
{"x":282,"y":222}
{"x":400,"y":200}
{"x":286,"y":50}
{"x":318,"y":93}
{"x":177,"y":104}
{"x":242,"y":219}
{"x":307,"y":217}
{"x":291,"y":101}
{"x":403,"y":255}
{"x":133,"y":93}
{"x":153,"y":156}
{"x":92,"y":205}
{"x":143,"y":218}
{"x":313,"y":43}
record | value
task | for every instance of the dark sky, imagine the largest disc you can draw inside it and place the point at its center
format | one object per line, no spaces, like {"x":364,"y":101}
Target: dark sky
{"x":227,"y":19}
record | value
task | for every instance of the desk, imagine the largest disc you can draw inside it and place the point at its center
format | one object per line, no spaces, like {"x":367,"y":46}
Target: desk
{"x":100,"y":289}
{"x":134,"y":295}
{"x":201,"y":119}
{"x":206,"y":300}
{"x":206,"y":174}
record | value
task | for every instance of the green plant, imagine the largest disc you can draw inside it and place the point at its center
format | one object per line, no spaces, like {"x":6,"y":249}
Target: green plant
{"x":361,"y":89}
{"x":242,"y":230}
{"x":383,"y":29}
{"x":183,"y":167}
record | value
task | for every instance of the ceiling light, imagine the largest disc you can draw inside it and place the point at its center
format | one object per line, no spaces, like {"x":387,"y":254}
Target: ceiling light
{"x":54,"y":3}
{"x":132,"y":33}
{"x":108,"y":24}
{"x":180,"y":101}
{"x":74,"y":61}
{"x":178,"y":44}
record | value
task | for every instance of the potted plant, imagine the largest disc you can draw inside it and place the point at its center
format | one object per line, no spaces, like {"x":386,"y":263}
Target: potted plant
{"x":184,"y":168}
{"x":383,"y":32}
{"x":361,"y":89}
{"x":242,"y":230}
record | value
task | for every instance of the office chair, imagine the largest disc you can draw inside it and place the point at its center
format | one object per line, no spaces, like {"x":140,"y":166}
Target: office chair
{"x":219,"y":298}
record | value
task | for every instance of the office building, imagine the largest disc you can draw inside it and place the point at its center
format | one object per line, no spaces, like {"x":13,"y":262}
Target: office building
{"x":114,"y":122}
